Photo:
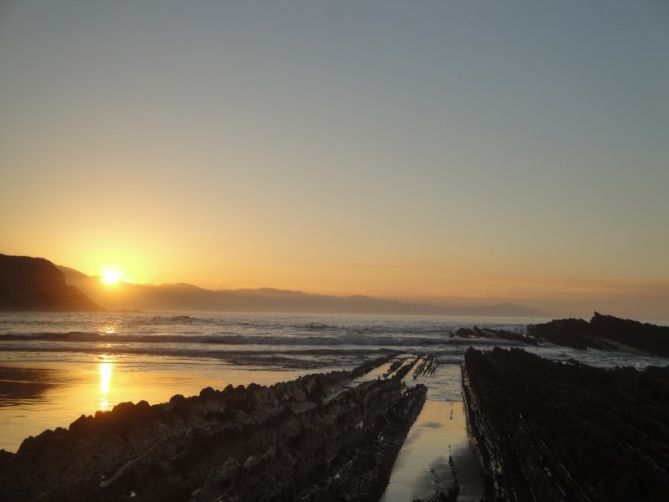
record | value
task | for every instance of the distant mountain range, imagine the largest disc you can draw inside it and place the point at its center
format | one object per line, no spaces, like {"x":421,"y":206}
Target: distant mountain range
{"x":181,"y":296}
{"x":28,"y":283}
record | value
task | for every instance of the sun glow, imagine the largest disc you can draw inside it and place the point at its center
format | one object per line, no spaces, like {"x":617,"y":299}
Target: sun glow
{"x":111,"y":276}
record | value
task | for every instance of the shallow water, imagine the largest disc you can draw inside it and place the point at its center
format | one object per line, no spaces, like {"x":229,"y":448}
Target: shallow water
{"x":59,"y":392}
{"x":439,"y":432}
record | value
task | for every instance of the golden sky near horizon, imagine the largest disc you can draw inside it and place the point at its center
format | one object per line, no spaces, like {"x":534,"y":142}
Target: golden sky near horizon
{"x":440,"y":150}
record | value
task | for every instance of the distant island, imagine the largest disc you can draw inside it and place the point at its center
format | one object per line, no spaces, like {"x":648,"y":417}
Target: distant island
{"x":37,"y":284}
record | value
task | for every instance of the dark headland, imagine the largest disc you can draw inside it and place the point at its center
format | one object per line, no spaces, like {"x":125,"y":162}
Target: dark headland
{"x":37,"y":284}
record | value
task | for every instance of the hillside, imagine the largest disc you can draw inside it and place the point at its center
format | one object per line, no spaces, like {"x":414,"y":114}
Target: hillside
{"x":37,"y":284}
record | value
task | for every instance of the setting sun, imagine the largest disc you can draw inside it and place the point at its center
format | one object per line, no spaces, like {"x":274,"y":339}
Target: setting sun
{"x":111,"y":276}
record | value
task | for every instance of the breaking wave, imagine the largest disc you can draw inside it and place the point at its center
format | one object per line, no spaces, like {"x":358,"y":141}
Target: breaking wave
{"x":216,"y":339}
{"x":303,"y":340}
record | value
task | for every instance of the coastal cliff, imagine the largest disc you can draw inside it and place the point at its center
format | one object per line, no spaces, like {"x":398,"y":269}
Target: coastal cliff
{"x":37,"y":284}
{"x":546,"y":430}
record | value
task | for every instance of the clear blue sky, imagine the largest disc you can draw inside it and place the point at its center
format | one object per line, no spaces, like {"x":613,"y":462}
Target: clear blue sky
{"x":433,"y":149}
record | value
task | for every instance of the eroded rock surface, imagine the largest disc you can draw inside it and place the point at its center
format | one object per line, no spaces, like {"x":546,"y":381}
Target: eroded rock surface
{"x":552,"y":431}
{"x":426,"y":366}
{"x":317,"y":438}
{"x":604,"y":332}
{"x":495,"y":334}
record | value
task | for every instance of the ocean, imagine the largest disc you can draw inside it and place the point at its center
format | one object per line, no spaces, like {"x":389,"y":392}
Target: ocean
{"x":55,"y":367}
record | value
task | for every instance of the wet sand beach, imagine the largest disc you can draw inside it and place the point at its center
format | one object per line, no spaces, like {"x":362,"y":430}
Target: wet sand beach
{"x":439,"y":433}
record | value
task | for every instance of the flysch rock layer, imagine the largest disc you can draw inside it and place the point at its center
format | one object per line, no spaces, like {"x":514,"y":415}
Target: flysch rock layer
{"x":317,"y":438}
{"x":549,"y":431}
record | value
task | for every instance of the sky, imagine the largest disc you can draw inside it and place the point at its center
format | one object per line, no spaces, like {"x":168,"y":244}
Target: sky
{"x":435,"y":150}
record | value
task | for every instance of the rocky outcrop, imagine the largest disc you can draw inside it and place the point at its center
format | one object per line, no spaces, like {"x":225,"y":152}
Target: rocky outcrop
{"x":37,"y":284}
{"x":318,"y":438}
{"x":574,"y":333}
{"x":604,"y":332}
{"x":426,"y":365}
{"x":552,"y":431}
{"x":495,"y":334}
{"x":644,"y":336}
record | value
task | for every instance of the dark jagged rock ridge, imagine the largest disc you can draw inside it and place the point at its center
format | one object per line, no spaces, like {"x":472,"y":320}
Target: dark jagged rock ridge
{"x":552,"y":431}
{"x":37,"y":284}
{"x":317,"y":438}
{"x":499,"y":334}
{"x":426,"y":366}
{"x":604,"y":332}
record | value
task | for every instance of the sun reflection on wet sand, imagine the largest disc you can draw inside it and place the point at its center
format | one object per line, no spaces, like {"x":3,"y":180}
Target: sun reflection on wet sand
{"x":106,"y":369}
{"x":100,"y":383}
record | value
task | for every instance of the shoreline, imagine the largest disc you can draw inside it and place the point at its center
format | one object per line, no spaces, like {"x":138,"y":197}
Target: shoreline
{"x":427,"y":443}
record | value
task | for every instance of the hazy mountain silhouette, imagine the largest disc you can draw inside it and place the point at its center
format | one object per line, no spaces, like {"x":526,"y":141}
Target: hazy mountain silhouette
{"x":182,"y":296}
{"x":28,"y":283}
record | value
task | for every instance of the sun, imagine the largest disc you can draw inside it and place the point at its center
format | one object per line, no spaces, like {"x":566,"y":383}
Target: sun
{"x":111,"y":276}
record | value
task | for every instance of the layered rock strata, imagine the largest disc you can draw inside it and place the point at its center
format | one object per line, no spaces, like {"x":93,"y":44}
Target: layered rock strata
{"x":320,"y":437}
{"x":552,"y":431}
{"x":495,"y":334}
{"x":426,"y":366}
{"x":604,"y":332}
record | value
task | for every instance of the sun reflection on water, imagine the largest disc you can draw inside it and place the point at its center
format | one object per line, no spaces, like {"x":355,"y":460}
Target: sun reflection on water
{"x":106,"y":369}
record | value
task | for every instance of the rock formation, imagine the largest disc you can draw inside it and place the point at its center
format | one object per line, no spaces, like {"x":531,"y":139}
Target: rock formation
{"x":37,"y":284}
{"x":604,"y":332}
{"x":553,"y":431}
{"x":498,"y":334}
{"x":321,"y":437}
